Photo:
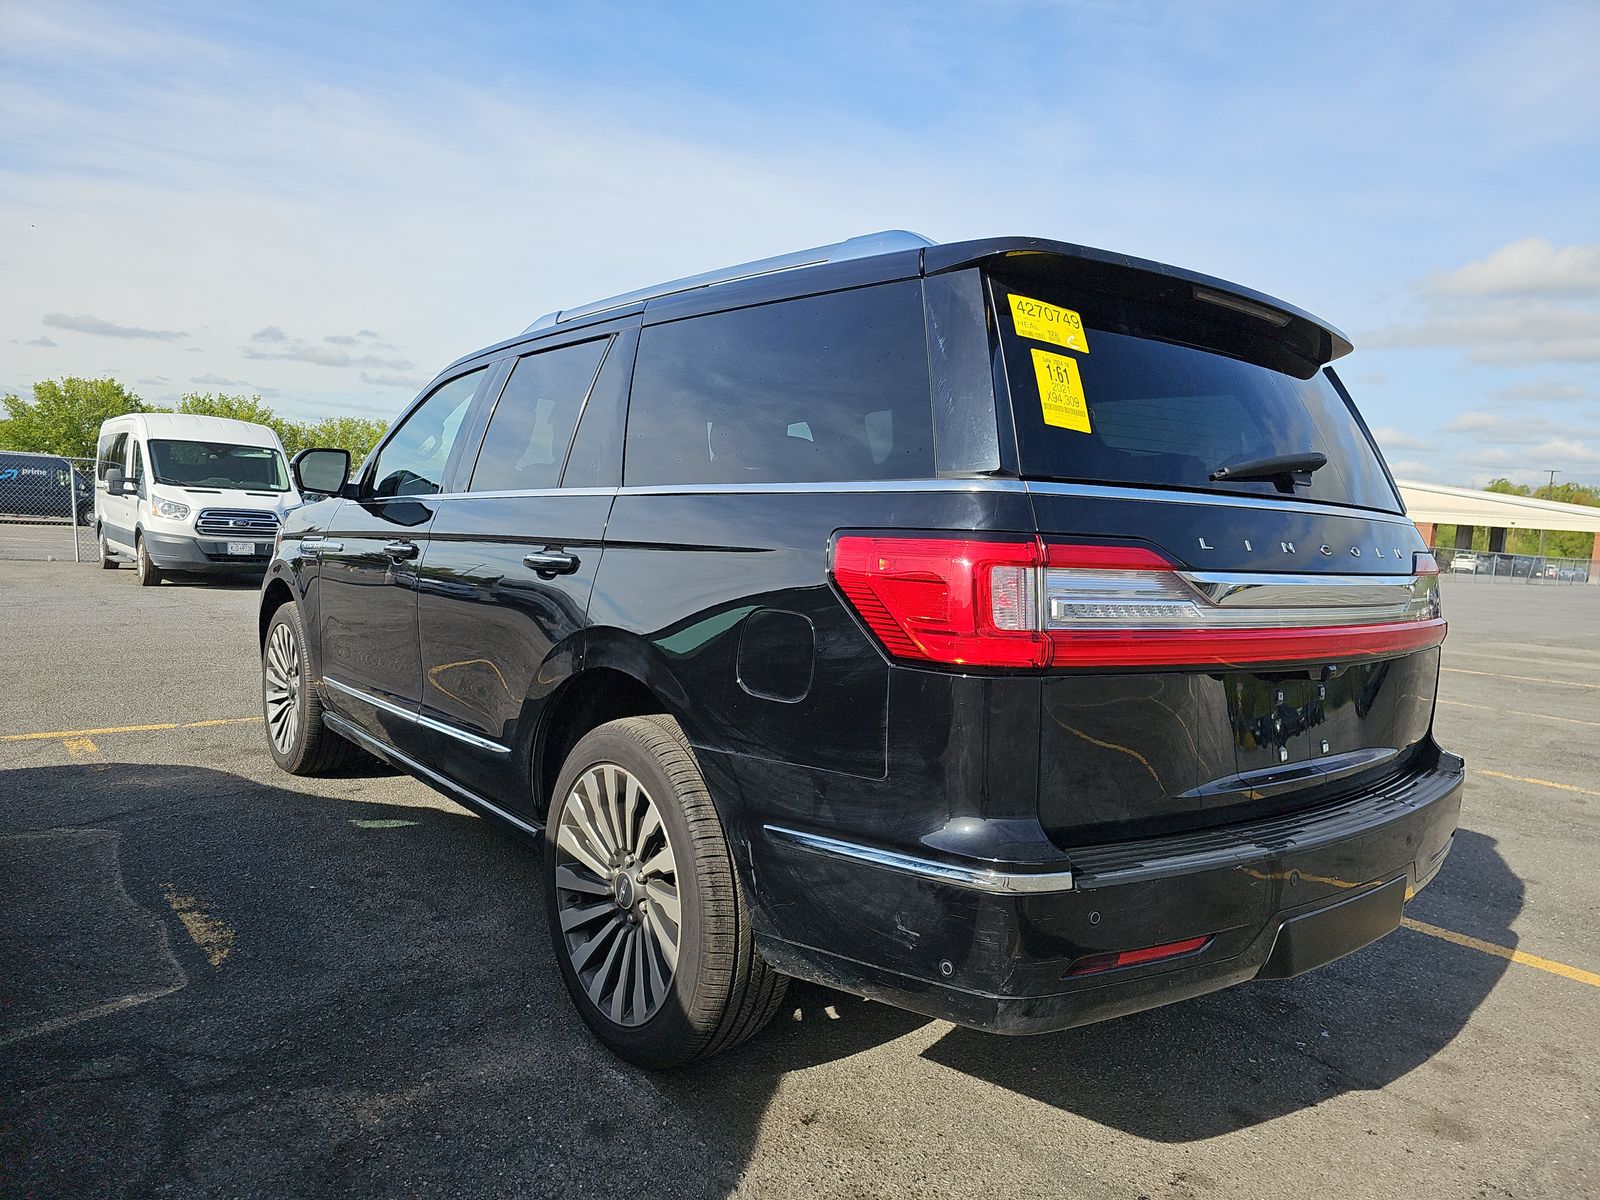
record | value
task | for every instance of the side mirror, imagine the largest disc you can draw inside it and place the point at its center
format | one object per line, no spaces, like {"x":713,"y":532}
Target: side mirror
{"x":323,"y":471}
{"x":116,"y":482}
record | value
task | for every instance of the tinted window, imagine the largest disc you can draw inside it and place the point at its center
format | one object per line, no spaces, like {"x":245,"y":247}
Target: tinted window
{"x":137,"y":470}
{"x":412,"y":462}
{"x":527,"y":438}
{"x":1140,"y":407}
{"x":113,"y":450}
{"x":829,"y":387}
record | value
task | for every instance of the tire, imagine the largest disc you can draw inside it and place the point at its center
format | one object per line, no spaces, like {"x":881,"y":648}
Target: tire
{"x":149,"y":573}
{"x":717,"y":990}
{"x":290,"y":707}
{"x":107,"y":563}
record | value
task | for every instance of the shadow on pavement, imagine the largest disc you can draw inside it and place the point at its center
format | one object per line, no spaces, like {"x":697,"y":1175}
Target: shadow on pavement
{"x":250,"y":989}
{"x":1250,"y":1054}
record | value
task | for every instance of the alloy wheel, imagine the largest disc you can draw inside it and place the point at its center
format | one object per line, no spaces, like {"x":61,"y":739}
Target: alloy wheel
{"x":280,"y":682}
{"x":617,"y":889}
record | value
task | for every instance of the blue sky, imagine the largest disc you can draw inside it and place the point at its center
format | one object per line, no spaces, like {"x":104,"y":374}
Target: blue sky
{"x":325,"y":203}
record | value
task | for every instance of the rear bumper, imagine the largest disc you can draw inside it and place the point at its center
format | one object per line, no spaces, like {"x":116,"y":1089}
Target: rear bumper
{"x":177,"y":552}
{"x":1275,"y":897}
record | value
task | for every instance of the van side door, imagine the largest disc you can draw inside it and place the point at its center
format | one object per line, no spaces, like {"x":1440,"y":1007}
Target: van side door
{"x":118,"y":514}
{"x":511,"y":559}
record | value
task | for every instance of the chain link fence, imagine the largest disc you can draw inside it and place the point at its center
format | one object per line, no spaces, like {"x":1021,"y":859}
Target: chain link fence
{"x":47,"y":508}
{"x":1511,"y":568}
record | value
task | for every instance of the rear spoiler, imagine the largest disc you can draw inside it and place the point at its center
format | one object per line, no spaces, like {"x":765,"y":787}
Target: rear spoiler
{"x":1307,"y":337}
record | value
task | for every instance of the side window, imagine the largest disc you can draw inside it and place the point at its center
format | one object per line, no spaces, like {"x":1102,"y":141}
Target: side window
{"x":412,"y":462}
{"x":113,"y":452}
{"x":136,"y":471}
{"x":825,"y":388}
{"x":528,"y":435}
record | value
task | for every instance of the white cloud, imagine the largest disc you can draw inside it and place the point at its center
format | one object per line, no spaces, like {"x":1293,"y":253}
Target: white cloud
{"x":1505,"y":334}
{"x":102,"y":328}
{"x":1566,"y":450}
{"x":1390,"y":438}
{"x":1532,"y":266}
{"x":1542,"y":389}
{"x":1411,"y":468}
{"x":410,"y":383}
{"x":209,"y":380}
{"x":270,"y":334}
{"x":46,"y":342}
{"x":324,"y":356}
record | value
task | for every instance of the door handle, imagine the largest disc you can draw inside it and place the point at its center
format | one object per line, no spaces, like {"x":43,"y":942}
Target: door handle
{"x":550,"y":563}
{"x":400,"y":551}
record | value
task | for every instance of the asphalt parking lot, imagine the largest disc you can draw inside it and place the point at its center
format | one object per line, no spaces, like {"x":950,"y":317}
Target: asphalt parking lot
{"x":220,"y":980}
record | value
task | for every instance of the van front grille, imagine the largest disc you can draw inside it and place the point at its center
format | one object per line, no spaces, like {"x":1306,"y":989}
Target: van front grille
{"x":236,"y":523}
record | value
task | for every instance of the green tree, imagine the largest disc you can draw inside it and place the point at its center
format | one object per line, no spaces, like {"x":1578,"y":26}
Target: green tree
{"x":1558,"y":543}
{"x":355,"y":434}
{"x":236,"y":408}
{"x":64,"y":415}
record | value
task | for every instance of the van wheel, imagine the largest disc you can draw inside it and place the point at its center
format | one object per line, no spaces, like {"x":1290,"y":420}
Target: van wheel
{"x":107,"y":562}
{"x":646,"y":915}
{"x":296,"y":736}
{"x":149,"y":573}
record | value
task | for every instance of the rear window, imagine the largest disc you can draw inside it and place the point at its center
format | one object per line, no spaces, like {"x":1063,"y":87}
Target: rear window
{"x":1119,"y":398}
{"x":824,"y":388}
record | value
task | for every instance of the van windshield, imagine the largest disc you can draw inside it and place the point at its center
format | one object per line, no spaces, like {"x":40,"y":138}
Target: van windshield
{"x":1136,"y":394}
{"x":218,"y":465}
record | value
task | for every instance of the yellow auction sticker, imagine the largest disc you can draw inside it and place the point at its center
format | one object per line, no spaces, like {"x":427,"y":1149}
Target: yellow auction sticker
{"x":1061,"y":391}
{"x":1046,"y":323}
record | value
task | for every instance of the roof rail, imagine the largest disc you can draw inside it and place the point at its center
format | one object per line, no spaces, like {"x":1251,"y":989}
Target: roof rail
{"x":865,"y":246}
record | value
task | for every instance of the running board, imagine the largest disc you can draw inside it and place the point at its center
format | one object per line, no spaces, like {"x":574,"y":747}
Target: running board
{"x":354,"y":733}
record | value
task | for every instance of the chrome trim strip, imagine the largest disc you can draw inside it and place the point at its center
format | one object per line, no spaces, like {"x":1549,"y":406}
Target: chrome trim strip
{"x":346,"y":728}
{"x":982,"y":879}
{"x":524,"y":492}
{"x":1096,"y":491}
{"x":448,"y":730}
{"x":835,"y":485}
{"x":1239,"y":589}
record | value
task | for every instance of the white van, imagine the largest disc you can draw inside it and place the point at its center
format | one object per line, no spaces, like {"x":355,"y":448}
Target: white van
{"x":183,"y":493}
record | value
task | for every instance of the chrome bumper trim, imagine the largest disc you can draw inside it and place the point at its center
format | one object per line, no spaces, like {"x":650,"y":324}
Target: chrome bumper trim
{"x":982,"y":879}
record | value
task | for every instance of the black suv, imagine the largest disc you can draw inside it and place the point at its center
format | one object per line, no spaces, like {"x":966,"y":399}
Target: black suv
{"x":1011,"y":631}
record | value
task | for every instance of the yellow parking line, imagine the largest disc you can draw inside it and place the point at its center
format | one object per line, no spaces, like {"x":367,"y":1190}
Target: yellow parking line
{"x":80,"y":746}
{"x":1524,"y":678}
{"x":1505,"y":952}
{"x":64,"y":734}
{"x":1517,"y":712}
{"x":1549,"y":783}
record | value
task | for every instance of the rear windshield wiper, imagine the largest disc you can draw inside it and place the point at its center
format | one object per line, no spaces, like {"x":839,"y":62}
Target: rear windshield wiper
{"x":1285,"y":470}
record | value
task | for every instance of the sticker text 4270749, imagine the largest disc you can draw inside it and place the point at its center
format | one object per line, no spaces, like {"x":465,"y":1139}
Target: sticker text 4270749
{"x":1041,"y":322}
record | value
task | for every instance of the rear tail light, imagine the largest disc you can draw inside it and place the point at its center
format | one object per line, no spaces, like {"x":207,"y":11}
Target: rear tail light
{"x":1094,"y":964}
{"x":1019,"y":602}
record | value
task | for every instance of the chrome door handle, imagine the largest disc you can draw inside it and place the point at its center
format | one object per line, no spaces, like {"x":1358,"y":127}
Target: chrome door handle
{"x":400,"y":551}
{"x":551,"y":562}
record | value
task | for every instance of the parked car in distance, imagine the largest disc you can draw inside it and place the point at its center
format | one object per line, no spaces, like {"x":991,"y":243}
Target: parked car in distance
{"x":1011,"y":631}
{"x":44,"y":486}
{"x":189,"y":494}
{"x":1464,"y":562}
{"x":1573,"y":574}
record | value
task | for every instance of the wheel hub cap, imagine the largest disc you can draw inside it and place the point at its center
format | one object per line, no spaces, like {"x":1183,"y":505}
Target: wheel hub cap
{"x":617,"y":894}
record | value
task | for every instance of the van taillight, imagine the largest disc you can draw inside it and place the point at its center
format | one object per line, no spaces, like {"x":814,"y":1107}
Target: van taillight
{"x":1022,"y":602}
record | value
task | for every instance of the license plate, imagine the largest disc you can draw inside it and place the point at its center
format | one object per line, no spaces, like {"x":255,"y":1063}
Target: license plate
{"x":241,"y":547}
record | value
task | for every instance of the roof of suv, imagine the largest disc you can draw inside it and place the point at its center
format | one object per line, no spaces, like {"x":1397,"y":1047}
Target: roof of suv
{"x":897,"y":247}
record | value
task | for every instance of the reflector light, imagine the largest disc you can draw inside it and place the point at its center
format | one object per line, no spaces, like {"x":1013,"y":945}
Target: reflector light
{"x":1095,"y":964}
{"x":1020,"y":602}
